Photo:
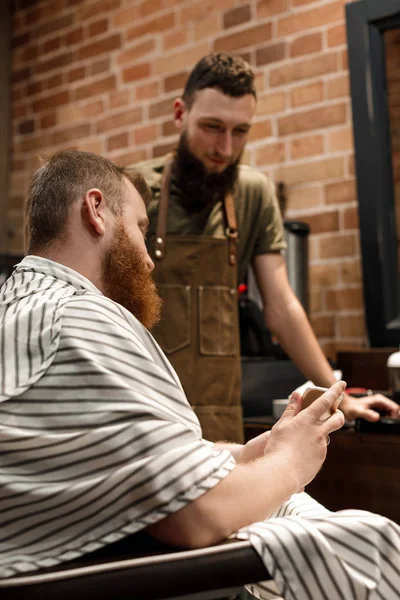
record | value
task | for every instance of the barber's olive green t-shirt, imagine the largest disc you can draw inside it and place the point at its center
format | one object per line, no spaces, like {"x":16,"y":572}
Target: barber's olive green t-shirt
{"x":260,"y":227}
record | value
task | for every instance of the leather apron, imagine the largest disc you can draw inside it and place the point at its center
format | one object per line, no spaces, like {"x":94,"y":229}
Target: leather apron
{"x":199,"y":330}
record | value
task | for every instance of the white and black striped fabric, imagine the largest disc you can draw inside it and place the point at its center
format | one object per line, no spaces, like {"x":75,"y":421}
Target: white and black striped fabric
{"x":97,"y":441}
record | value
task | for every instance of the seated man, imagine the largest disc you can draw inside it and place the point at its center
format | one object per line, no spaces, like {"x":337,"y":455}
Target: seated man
{"x":97,"y":439}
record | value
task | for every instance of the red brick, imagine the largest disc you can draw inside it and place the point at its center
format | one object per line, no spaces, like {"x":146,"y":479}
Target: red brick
{"x":161,"y":108}
{"x":237,"y":16}
{"x":92,"y":145}
{"x":74,"y":37}
{"x":168,"y":128}
{"x":350,"y":218}
{"x":249,"y":36}
{"x":57,"y":62}
{"x":310,"y":67}
{"x":55,"y":81}
{"x":96,"y":87}
{"x":136,"y":72}
{"x":271,"y":103}
{"x":178,"y":61}
{"x":307,"y":94}
{"x":96,"y":8}
{"x":328,"y":168}
{"x":337,"y":35}
{"x":206,"y":28}
{"x":312,"y":119}
{"x":323,"y":326}
{"x":108,"y":44}
{"x":51,"y":101}
{"x":76,"y":74}
{"x":315,"y":302}
{"x":131,"y":158}
{"x":51,"y":45}
{"x":119,"y":98}
{"x":68,"y":135}
{"x":120,"y":140}
{"x":147,"y":91}
{"x":270,"y":53}
{"x":260,"y":130}
{"x":299,"y":198}
{"x":26,"y":127}
{"x":323,"y":276}
{"x":337,"y":246}
{"x":315,"y":17}
{"x":344,"y":60}
{"x":195,"y":11}
{"x":130,"y":55}
{"x":351,"y":272}
{"x":145,"y":134}
{"x":306,"y":44}
{"x":270,"y":154}
{"x":100,"y":66}
{"x":266,"y":8}
{"x":162,"y":149}
{"x":98,"y":27}
{"x":152,"y":27}
{"x":306,"y":146}
{"x":338,"y":87}
{"x":21,"y":40}
{"x":125,"y":16}
{"x":340,"y":139}
{"x":117,"y":120}
{"x":52,"y":25}
{"x":352,"y":326}
{"x":21,"y":75}
{"x":342,"y":192}
{"x":48,"y":120}
{"x":175,"y":82}
{"x":322,"y":222}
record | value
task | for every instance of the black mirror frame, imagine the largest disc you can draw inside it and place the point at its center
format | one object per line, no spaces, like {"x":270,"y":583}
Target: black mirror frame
{"x":366,"y":21}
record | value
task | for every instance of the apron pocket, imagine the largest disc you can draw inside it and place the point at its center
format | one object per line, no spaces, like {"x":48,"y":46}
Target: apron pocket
{"x":218,"y":333}
{"x":173,"y":331}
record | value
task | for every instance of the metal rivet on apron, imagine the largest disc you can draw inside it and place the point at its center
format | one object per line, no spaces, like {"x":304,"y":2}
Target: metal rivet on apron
{"x":159,"y":240}
{"x":158,"y":252}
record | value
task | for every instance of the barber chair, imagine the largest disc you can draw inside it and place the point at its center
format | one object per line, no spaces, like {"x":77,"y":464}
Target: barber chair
{"x":115,"y":573}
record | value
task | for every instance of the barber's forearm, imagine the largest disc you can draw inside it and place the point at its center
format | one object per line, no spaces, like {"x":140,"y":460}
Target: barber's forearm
{"x":297,"y":338}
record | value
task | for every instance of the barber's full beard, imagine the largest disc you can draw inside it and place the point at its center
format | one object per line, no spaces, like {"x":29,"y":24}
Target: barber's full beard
{"x":200,"y":187}
{"x":127,"y":279}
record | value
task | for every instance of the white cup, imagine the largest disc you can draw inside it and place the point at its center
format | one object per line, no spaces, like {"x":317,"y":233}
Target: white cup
{"x":279,"y":406}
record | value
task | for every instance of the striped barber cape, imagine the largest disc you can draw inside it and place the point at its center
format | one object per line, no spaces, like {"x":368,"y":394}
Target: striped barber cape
{"x":97,"y":441}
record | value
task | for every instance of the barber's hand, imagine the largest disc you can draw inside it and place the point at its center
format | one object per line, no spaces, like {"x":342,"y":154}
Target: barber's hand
{"x":301,"y":437}
{"x":363,"y":408}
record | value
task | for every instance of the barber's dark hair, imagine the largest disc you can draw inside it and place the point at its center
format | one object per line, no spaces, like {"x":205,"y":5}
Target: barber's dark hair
{"x":228,"y":73}
{"x":64,"y":178}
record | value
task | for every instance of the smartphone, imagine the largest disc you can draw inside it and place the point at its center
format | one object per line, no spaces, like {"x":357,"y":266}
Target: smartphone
{"x":312,"y":393}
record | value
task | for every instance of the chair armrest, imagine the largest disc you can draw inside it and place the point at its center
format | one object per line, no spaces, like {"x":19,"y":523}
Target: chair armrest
{"x":171,"y":574}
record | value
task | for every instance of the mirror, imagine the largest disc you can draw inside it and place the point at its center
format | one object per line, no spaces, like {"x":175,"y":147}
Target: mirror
{"x":373,"y":35}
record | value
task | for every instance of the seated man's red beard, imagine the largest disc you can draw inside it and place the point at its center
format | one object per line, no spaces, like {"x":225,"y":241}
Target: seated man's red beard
{"x":127,"y":279}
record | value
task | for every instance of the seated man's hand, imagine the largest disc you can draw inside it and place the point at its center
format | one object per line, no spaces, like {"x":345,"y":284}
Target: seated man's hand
{"x":369,"y":408}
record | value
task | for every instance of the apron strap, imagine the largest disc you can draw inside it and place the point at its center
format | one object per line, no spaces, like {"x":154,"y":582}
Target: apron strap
{"x":231,"y":230}
{"x":161,"y":230}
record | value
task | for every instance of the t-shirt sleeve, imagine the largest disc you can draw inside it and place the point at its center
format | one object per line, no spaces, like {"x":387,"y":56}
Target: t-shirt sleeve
{"x":270,"y":235}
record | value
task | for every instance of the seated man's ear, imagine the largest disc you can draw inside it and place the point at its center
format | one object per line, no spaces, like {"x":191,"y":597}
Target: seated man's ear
{"x":93,"y":210}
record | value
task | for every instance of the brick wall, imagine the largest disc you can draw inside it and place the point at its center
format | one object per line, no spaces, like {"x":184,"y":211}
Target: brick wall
{"x":101,"y":75}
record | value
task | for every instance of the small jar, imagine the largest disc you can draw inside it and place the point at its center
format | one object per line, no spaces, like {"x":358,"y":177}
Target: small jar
{"x":393,"y":365}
